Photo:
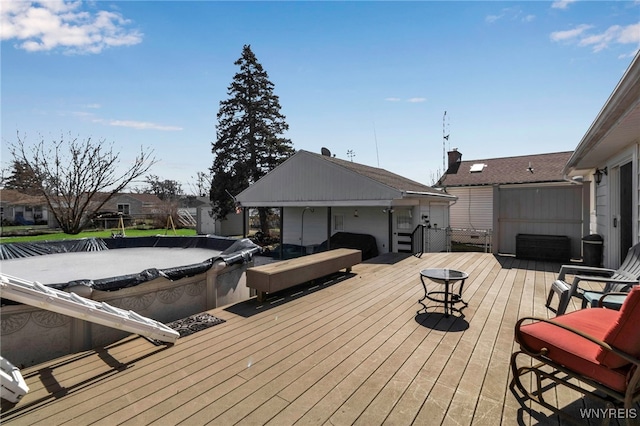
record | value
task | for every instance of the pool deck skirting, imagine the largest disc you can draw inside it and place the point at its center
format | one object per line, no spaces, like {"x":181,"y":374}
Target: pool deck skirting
{"x":346,"y":351}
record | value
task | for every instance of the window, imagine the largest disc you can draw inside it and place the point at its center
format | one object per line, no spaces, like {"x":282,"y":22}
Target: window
{"x":123,"y":208}
{"x":338,"y":223}
{"x":403,"y":219}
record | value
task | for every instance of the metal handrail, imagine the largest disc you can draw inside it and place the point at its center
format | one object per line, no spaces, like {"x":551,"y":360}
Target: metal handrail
{"x":417,"y":241}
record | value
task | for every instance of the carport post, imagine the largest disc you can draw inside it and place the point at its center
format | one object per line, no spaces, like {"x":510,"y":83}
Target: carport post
{"x":328,"y":228}
{"x":390,"y":213}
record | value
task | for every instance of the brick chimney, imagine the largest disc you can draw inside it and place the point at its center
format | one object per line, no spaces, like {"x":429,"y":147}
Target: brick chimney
{"x":454,"y":157}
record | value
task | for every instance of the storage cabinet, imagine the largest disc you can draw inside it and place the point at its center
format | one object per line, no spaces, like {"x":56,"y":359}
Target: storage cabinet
{"x":543,"y":247}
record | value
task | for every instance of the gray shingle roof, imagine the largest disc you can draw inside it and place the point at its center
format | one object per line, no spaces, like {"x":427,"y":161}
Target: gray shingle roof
{"x":383,"y":176}
{"x":508,"y":170}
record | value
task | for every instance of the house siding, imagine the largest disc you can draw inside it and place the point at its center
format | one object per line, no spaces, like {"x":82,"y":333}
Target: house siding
{"x":370,"y":220}
{"x":608,"y":202}
{"x":474,"y":208}
{"x":311,"y":178}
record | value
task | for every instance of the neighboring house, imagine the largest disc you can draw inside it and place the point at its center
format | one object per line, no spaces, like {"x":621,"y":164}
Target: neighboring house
{"x":607,"y":156}
{"x":135,"y":205}
{"x":515,"y":195}
{"x":320,"y":195}
{"x":23,"y":209}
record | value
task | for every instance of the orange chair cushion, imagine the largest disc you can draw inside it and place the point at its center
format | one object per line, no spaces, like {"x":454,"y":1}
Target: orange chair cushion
{"x":623,"y":334}
{"x":574,"y":352}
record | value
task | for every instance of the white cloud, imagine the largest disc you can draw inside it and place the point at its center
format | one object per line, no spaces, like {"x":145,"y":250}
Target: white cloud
{"x":615,"y":34}
{"x":59,"y":24}
{"x":562,"y":4}
{"x":143,"y":125}
{"x":630,"y":34}
{"x":410,"y":100}
{"x":492,"y":18}
{"x":510,"y":14}
{"x":602,"y":40}
{"x":570,"y":34}
{"x":631,"y":54}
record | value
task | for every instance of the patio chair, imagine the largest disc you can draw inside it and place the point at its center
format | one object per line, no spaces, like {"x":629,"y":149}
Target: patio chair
{"x":599,"y":347}
{"x":618,"y":280}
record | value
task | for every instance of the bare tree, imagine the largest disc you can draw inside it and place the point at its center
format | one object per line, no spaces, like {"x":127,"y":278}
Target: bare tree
{"x":78,"y":176}
{"x":202,"y":185}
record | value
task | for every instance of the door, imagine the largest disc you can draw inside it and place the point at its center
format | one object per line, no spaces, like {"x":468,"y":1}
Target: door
{"x":625,"y":225}
{"x":402,"y":223}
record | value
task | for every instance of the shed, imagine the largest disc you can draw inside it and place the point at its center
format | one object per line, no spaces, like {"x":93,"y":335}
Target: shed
{"x":320,"y":195}
{"x":509,"y":196}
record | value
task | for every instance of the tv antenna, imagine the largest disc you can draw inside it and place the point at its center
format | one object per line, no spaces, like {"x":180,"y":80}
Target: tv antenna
{"x":375,"y":138}
{"x":445,"y":137}
{"x":351,"y":154}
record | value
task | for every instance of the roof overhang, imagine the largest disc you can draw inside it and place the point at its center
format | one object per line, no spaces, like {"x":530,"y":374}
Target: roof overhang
{"x":615,"y":128}
{"x":406,"y":196}
{"x":442,"y":196}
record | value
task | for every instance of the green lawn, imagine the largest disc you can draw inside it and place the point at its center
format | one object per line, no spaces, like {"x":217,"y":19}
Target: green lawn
{"x":97,"y":234}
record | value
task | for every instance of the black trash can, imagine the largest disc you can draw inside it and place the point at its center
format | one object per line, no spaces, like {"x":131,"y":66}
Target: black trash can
{"x":592,"y":246}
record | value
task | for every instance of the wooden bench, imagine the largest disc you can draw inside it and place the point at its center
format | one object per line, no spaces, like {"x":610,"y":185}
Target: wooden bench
{"x":288,"y":273}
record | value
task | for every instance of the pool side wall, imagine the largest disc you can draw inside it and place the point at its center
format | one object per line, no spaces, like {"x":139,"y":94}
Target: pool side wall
{"x":30,"y":335}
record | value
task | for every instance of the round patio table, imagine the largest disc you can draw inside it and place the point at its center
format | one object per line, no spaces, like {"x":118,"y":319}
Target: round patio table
{"x":449,"y":297}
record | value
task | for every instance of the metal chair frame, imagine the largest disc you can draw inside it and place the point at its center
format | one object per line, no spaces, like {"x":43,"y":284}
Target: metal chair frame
{"x":562,"y":374}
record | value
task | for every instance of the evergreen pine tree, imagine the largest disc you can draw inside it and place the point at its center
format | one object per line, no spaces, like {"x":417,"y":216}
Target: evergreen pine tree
{"x":249,"y":136}
{"x":23,"y":179}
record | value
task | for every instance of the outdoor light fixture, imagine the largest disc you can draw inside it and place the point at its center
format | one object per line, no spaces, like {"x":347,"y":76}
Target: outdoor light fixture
{"x":389,"y":210}
{"x":598,"y":174}
{"x":355,"y":213}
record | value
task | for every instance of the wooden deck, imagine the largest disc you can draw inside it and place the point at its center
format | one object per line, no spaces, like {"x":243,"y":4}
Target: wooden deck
{"x":349,"y":351}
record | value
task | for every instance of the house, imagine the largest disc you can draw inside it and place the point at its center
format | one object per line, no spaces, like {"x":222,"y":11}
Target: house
{"x":135,"y":206}
{"x":132,"y":207}
{"x":607,"y":158}
{"x":19,"y":208}
{"x":515,"y":195}
{"x":320,"y":195}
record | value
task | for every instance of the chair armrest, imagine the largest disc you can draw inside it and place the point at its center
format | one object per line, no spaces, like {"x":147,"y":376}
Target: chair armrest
{"x":576,"y":279}
{"x":613,"y":293}
{"x":577,"y":269}
{"x":604,"y":279}
{"x":573,"y":330}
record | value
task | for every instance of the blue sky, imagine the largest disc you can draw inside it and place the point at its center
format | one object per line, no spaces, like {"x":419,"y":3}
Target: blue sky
{"x":515,"y":78}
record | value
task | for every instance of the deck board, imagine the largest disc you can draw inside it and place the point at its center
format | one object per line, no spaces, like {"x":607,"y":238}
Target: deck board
{"x":348,"y":350}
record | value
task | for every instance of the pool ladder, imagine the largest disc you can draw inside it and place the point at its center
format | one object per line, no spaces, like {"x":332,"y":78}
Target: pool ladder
{"x":35,"y":294}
